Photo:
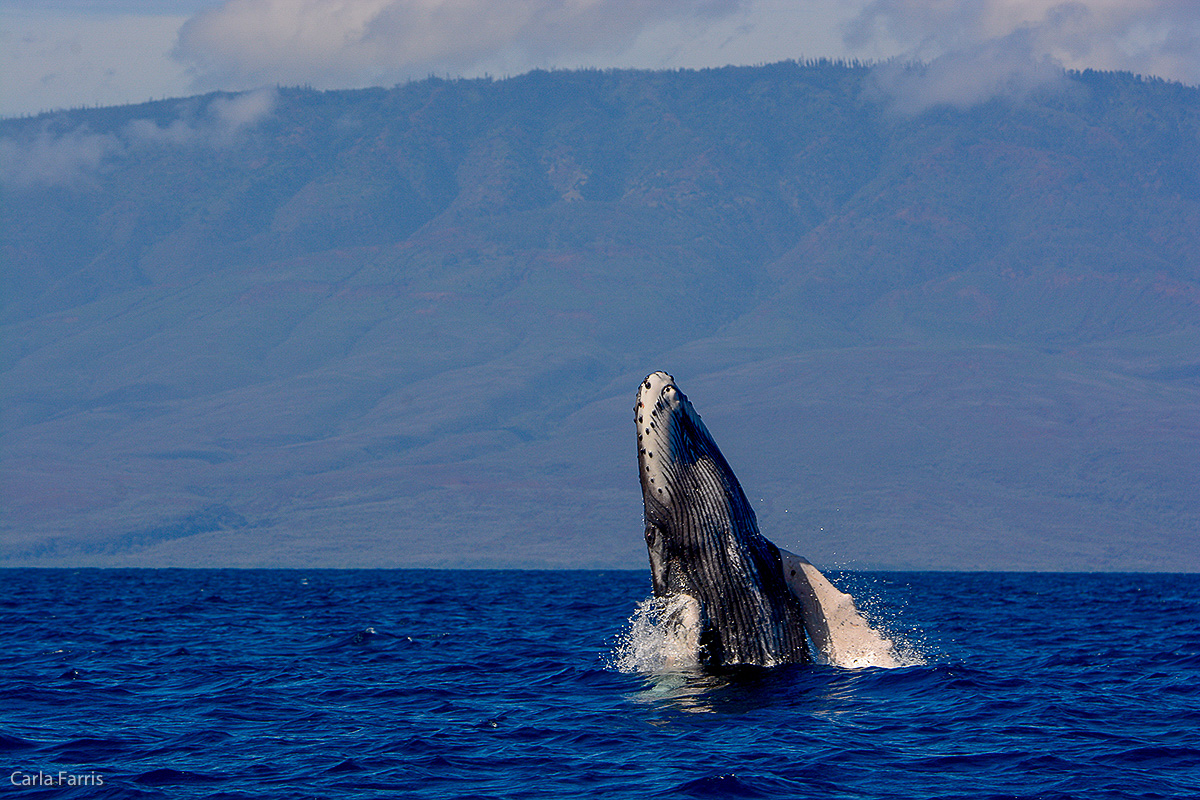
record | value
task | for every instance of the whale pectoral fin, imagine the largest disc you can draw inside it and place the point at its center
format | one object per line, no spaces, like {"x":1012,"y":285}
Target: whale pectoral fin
{"x":832,"y":620}
{"x":796,"y":576}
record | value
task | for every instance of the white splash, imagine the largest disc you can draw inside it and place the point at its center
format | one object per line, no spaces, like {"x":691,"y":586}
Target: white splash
{"x":662,"y":636}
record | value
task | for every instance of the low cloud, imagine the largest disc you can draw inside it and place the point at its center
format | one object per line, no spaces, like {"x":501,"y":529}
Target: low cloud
{"x":978,"y":49}
{"x":1006,"y":67}
{"x":70,"y":159}
{"x":76,"y":158}
{"x":330,"y":43}
{"x":218,"y":124}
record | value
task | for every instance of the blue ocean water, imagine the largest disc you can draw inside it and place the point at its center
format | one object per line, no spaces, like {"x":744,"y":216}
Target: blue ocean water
{"x":445,"y":684}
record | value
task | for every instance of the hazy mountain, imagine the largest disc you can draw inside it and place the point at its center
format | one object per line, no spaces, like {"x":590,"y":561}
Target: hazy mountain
{"x":405,"y":327}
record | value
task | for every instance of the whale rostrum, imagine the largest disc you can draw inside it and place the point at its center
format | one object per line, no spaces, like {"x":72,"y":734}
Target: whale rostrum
{"x":745,"y":601}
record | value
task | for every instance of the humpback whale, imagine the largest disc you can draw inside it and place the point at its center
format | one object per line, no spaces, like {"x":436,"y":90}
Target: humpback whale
{"x":732,"y":595}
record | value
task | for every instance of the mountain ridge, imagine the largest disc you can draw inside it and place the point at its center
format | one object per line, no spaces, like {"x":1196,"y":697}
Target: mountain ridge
{"x":409,"y":318}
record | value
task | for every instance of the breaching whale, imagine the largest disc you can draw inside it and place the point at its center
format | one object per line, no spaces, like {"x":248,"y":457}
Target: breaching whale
{"x":735,"y":597}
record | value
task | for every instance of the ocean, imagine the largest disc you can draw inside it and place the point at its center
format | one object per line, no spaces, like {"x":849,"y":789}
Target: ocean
{"x":518,"y":684}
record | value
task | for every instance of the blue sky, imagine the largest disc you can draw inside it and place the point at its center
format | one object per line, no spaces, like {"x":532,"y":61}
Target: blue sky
{"x":67,"y":53}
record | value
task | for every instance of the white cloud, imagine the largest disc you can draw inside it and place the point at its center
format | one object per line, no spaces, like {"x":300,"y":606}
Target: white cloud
{"x":63,"y":53}
{"x":977,"y":49}
{"x":359,"y":42}
{"x":231,"y":114}
{"x":69,"y":159}
{"x":992,"y":46}
{"x":217,"y":125}
{"x":77,"y":157}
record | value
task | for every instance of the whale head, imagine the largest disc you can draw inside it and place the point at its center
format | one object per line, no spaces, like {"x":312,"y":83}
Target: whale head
{"x":703,"y":539}
{"x":672,"y":441}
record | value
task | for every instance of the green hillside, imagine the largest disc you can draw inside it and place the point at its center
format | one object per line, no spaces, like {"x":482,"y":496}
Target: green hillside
{"x":404,"y":327}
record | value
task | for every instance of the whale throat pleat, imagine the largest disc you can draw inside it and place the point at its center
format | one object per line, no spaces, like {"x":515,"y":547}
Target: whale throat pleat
{"x":720,"y":538}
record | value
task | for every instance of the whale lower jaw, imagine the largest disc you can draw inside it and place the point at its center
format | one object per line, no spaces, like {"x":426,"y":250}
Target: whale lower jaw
{"x":658,"y":399}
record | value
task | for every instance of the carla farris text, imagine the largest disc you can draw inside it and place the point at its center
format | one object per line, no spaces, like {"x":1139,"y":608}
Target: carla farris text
{"x":39,"y":778}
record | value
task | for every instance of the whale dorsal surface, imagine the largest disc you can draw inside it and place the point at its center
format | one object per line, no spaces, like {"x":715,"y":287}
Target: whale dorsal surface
{"x":749,"y":602}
